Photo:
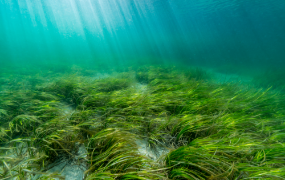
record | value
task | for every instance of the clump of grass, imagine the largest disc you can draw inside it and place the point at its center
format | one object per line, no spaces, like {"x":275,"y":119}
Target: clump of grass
{"x":271,"y":78}
{"x":112,"y":84}
{"x":199,"y":74}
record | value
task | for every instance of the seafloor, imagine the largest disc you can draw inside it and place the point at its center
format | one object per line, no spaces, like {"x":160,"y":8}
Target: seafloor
{"x":149,"y":122}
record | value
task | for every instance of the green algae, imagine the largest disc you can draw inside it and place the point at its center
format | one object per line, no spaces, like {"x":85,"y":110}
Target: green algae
{"x":207,"y":130}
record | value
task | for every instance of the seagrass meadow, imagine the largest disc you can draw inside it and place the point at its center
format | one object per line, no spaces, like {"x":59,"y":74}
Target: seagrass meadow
{"x":142,"y":90}
{"x":147,"y":122}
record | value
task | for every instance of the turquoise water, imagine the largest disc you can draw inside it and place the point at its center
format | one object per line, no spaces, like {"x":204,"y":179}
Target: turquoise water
{"x":142,"y":89}
{"x":210,"y":33}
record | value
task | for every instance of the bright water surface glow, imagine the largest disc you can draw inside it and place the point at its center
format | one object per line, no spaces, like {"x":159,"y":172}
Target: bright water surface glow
{"x":203,"y":32}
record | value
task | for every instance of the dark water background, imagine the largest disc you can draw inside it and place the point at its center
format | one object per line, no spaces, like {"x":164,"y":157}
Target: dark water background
{"x":227,"y":34}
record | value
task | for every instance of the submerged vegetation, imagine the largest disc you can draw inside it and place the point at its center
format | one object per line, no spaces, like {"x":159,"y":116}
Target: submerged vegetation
{"x":151,"y":122}
{"x":273,"y":77}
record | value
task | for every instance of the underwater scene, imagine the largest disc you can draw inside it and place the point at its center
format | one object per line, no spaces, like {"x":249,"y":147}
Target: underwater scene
{"x":142,"y":89}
